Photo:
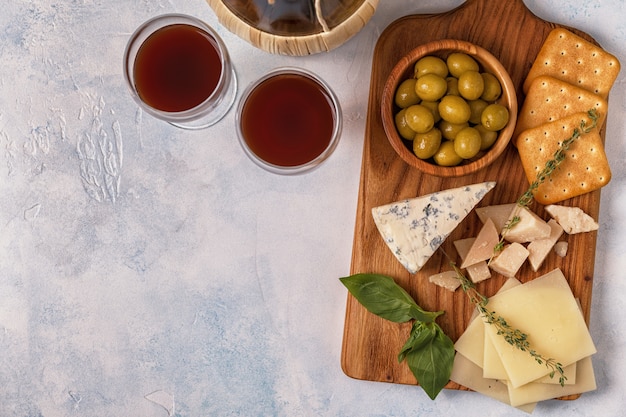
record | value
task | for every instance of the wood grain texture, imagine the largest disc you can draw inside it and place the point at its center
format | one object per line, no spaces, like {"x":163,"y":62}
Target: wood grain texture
{"x":513,"y":34}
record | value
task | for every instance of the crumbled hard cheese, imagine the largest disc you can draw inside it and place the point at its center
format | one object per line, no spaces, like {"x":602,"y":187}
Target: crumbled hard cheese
{"x":483,"y":246}
{"x":510,"y":260}
{"x":530,"y":227}
{"x":499,"y":214}
{"x":446,"y":279}
{"x":572,"y":219}
{"x":538,"y":250}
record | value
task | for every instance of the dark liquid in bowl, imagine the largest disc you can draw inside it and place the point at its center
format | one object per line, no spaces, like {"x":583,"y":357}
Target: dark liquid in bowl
{"x":288,"y":120}
{"x":177,"y":68}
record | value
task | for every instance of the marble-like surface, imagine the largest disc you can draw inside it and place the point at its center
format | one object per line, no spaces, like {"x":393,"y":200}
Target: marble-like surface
{"x":150,"y":271}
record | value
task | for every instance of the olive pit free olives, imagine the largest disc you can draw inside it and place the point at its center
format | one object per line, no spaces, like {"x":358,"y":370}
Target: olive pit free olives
{"x":449,"y":109}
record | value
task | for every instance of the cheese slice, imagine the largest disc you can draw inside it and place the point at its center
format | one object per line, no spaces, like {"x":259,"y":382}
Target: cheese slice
{"x":413,"y":229}
{"x":471,"y":342}
{"x":533,"y":392}
{"x":468,"y":374}
{"x":494,"y":368}
{"x":546,"y":310}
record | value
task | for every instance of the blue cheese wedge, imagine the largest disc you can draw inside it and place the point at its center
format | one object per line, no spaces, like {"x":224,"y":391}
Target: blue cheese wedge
{"x":413,"y":229}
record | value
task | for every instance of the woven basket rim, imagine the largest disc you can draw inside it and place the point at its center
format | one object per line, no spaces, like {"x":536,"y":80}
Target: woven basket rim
{"x":312,"y":43}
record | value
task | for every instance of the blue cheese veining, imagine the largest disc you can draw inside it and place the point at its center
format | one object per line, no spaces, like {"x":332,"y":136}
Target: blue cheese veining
{"x":415,"y":228}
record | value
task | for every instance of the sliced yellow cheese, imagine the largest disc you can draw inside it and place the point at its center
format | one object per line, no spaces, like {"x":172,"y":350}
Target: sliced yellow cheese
{"x":468,"y":374}
{"x":544,"y":309}
{"x":533,"y":392}
{"x":494,"y":368}
{"x":471,"y":343}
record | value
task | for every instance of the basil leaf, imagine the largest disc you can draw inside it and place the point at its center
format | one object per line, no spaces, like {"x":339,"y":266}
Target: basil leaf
{"x":432,"y":363}
{"x":420,"y":335}
{"x":380,"y":295}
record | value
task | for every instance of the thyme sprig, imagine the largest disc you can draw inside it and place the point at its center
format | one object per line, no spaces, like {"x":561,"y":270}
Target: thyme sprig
{"x":551,"y":165}
{"x":512,"y":336}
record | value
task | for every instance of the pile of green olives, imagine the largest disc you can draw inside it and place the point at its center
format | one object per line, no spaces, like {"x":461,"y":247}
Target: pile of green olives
{"x":448,"y":110}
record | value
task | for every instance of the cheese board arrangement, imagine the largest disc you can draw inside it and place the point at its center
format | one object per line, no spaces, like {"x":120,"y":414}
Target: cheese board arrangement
{"x":561,"y":207}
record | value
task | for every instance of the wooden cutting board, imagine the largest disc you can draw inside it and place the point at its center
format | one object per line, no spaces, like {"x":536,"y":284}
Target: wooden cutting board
{"x":513,"y":34}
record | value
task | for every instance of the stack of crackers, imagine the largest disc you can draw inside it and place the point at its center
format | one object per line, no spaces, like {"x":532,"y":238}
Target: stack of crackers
{"x":569,"y":77}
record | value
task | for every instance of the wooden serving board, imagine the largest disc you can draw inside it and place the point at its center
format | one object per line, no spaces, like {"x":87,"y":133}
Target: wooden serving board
{"x":514,"y":35}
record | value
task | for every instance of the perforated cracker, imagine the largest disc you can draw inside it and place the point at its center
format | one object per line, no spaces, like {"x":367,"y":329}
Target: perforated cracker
{"x":568,"y":57}
{"x":584,"y":169}
{"x":551,"y":99}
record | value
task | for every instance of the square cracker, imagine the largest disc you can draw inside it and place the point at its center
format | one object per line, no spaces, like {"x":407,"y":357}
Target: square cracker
{"x":568,"y":57}
{"x":549,"y":99}
{"x":584,"y":169}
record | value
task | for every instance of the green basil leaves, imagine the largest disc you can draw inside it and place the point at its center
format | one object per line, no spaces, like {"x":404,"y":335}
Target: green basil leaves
{"x":428,"y":351}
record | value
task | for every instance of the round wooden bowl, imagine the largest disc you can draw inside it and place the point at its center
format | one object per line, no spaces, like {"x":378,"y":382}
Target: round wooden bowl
{"x":294,"y":27}
{"x":404,"y":69}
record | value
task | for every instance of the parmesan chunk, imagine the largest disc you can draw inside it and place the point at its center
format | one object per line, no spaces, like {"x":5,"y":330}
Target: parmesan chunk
{"x":510,"y":260}
{"x":538,"y":250}
{"x":446,"y":279}
{"x":561,"y":249}
{"x":530,"y":227}
{"x":482,"y":248}
{"x":572,"y":219}
{"x":477,"y":272}
{"x":499,"y":214}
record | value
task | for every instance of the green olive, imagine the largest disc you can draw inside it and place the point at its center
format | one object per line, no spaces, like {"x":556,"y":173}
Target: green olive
{"x":430,"y":87}
{"x":419,"y":118}
{"x":433,"y":106}
{"x":450,"y":130}
{"x":471,"y":85}
{"x":476,"y":107}
{"x":403,"y":129}
{"x":426,"y":144}
{"x":494,"y":117}
{"x":454,"y":109}
{"x":488,"y":137}
{"x":467,"y":143}
{"x":405,"y":94}
{"x":446,"y":156}
{"x":431,"y":65}
{"x":493,"y":89}
{"x":459,"y":62}
{"x":453,"y":86}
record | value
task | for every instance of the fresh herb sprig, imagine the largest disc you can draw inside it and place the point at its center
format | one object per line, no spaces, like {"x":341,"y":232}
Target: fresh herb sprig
{"x":428,"y":351}
{"x":513,"y":336}
{"x":550,"y":166}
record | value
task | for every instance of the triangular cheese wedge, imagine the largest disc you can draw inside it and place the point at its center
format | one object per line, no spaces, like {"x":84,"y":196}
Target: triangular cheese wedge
{"x":483,"y":247}
{"x":415,"y":228}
